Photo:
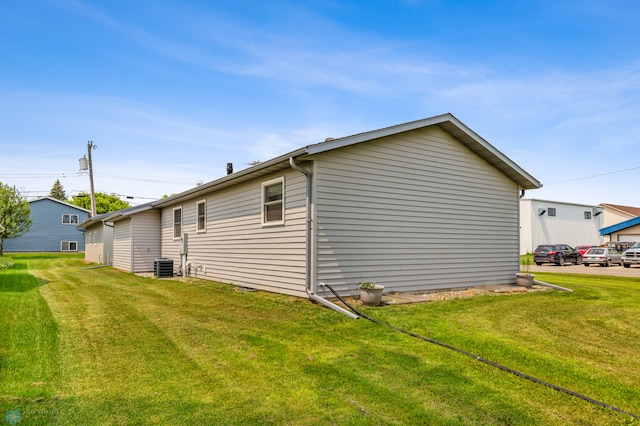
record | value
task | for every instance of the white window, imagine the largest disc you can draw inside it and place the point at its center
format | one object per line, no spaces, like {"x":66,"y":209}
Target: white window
{"x":68,"y":246}
{"x":273,"y":202}
{"x":201,"y":210}
{"x":70,"y":219}
{"x":177,"y":222}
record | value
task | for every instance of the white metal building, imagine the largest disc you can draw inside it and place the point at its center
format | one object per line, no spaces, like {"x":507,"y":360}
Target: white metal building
{"x":549,"y":222}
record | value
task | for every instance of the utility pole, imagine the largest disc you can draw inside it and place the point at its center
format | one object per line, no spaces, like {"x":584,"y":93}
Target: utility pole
{"x":91,"y":146}
{"x":85,"y":166}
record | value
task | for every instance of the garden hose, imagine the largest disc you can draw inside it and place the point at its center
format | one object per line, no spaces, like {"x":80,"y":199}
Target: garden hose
{"x":486,"y":361}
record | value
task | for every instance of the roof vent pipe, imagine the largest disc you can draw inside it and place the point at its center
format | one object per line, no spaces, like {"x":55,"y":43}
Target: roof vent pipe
{"x":229,"y":168}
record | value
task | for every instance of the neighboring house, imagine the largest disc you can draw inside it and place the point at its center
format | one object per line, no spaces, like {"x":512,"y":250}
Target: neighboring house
{"x":629,"y":230}
{"x":422,"y":205}
{"x":53,"y":228}
{"x":128,"y":239}
{"x":556,"y":222}
{"x":614,"y":214}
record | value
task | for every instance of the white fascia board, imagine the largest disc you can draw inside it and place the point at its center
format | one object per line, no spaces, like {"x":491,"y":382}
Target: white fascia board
{"x":375,"y":134}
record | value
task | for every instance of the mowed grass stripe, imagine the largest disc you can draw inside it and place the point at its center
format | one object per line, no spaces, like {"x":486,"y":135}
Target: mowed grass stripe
{"x":29,"y":347}
{"x":133,"y":350}
{"x":120,"y":350}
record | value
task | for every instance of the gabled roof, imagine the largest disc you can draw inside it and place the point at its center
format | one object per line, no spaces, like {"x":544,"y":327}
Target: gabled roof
{"x":633,"y":211}
{"x":446,"y":122}
{"x":114,"y":216}
{"x":60,"y":202}
{"x":620,"y":226}
{"x":455,"y":128}
{"x":121,"y":214}
{"x":92,"y":220}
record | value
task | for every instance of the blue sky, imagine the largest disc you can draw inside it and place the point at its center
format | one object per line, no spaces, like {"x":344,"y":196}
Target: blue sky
{"x":170,"y":91}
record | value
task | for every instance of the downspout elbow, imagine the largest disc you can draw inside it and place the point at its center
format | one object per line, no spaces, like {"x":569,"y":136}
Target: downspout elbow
{"x":307,"y":286}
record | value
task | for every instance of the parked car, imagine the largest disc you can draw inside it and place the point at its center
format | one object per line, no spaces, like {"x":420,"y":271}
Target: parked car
{"x":603,"y":256}
{"x":556,"y":253}
{"x":631,"y":256}
{"x":583,"y":249}
{"x":621,"y":246}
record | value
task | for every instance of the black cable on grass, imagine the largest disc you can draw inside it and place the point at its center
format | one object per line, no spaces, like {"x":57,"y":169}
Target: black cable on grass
{"x":486,"y":361}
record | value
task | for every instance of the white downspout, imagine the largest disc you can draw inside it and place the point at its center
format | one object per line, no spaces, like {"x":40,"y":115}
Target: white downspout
{"x":310,"y":293}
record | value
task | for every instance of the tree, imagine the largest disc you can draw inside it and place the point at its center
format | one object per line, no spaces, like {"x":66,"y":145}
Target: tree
{"x":105,"y":203}
{"x":57,"y":191}
{"x":15,"y":214}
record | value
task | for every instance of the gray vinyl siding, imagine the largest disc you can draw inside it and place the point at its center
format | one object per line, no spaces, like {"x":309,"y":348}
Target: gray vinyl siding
{"x":122,"y":245}
{"x":145,"y":240}
{"x":236,"y":248}
{"x":94,"y":247}
{"x":107,"y":245}
{"x":413,"y":211}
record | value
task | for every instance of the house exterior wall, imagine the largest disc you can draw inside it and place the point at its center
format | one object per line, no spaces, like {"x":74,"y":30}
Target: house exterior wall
{"x":94,"y":237}
{"x":629,"y":234}
{"x":235,"y":247}
{"x":122,"y":254}
{"x":47,"y":230}
{"x":146,"y":242}
{"x":569,"y":226}
{"x":413,"y":211}
{"x":613,"y":216}
{"x":107,"y":244}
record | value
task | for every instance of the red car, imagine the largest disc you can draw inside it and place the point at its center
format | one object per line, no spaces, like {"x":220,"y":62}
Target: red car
{"x":583,"y":249}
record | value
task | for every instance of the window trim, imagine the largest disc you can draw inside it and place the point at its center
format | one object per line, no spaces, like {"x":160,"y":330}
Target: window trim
{"x":265,"y":203}
{"x":68,"y":246}
{"x":204,"y":216}
{"x":173,"y":222}
{"x":70,"y":217}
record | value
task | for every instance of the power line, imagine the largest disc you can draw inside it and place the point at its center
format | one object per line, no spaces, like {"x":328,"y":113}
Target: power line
{"x":77,"y":174}
{"x":35,"y":175}
{"x":136,"y":179}
{"x":593,"y":176}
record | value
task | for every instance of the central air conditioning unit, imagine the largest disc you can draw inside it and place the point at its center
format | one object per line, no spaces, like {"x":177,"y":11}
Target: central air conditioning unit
{"x":163,"y":268}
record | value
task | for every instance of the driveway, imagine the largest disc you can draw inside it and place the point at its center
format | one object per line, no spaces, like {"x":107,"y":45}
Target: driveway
{"x":619,"y":271}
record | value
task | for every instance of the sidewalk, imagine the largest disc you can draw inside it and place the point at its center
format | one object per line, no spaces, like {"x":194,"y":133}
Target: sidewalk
{"x":619,"y":271}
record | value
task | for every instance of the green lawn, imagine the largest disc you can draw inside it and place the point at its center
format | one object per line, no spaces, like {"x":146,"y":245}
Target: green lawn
{"x":87,"y":346}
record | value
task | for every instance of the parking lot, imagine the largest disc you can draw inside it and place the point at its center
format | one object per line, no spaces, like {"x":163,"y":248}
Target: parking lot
{"x":621,"y":271}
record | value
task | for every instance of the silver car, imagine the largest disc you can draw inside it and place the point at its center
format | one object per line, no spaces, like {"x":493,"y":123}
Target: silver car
{"x":603,"y":256}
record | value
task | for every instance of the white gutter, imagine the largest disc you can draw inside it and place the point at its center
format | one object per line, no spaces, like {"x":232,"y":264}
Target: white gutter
{"x":307,"y":286}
